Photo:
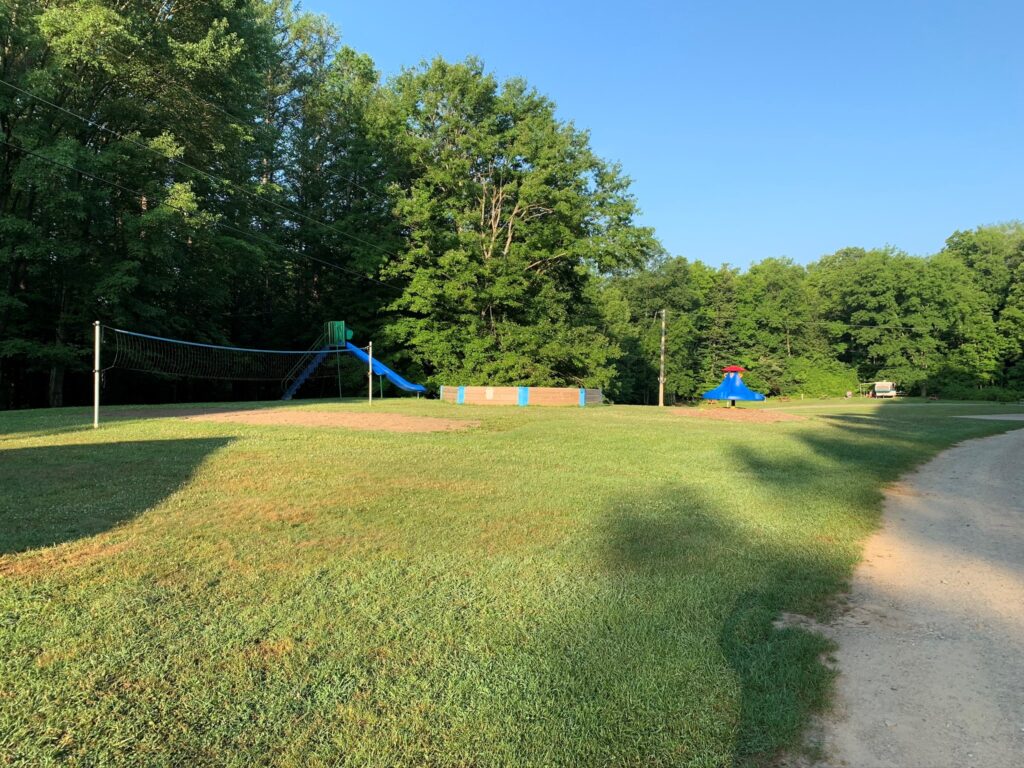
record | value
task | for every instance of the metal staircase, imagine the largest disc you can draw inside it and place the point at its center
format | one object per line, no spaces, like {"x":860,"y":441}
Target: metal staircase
{"x":306,"y":367}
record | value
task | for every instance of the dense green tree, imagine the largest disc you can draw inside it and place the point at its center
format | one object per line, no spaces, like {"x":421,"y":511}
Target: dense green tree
{"x":993,"y":255}
{"x":908,"y":319}
{"x":680,"y":288}
{"x":1010,"y":330}
{"x":873,"y":303}
{"x":716,"y":322}
{"x":777,"y":326}
{"x":510,"y":217}
{"x":140,"y":247}
{"x":337,"y":163}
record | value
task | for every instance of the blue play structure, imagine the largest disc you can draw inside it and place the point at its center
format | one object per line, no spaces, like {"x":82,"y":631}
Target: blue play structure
{"x":335,"y":340}
{"x":732,"y":387}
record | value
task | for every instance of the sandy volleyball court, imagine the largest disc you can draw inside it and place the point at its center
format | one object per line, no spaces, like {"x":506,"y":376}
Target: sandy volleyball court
{"x":387,"y":422}
{"x":295,"y":417}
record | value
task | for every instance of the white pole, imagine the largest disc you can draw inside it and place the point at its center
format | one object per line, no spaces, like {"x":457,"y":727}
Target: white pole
{"x":96,"y":375}
{"x":369,"y":375}
{"x":661,"y":374}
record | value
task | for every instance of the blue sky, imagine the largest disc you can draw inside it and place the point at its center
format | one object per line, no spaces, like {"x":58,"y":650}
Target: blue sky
{"x":756,"y":129}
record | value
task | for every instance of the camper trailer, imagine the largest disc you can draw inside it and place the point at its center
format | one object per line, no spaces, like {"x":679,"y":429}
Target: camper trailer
{"x":883,"y":389}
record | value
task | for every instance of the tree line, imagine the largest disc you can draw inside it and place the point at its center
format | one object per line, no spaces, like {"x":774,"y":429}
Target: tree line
{"x":229,"y":172}
{"x":950,"y":324}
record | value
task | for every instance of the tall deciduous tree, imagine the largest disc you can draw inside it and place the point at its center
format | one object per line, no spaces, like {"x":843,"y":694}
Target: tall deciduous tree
{"x":509,"y":216}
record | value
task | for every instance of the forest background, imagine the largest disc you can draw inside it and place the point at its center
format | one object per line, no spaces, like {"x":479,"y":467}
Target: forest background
{"x":228,"y":172}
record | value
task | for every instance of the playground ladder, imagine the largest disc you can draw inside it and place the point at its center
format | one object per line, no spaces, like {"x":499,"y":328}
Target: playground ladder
{"x":305,"y":367}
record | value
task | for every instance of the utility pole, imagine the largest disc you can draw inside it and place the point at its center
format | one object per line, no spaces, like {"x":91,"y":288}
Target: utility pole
{"x":369,"y":373}
{"x":661,"y":375}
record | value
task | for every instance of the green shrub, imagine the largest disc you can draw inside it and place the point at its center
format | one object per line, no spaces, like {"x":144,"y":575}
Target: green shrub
{"x":817,"y":378}
{"x":997,"y":394}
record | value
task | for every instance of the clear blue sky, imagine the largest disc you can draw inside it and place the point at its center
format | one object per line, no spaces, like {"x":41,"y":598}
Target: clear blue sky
{"x":756,"y":129}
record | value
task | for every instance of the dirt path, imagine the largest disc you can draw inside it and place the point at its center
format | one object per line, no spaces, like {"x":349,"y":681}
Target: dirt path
{"x":931,"y":650}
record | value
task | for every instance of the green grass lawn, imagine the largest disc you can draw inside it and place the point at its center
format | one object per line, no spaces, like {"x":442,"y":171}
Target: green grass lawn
{"x":557,"y":587}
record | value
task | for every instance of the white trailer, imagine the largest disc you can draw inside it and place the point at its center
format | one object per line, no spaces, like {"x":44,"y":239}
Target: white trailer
{"x":883,"y":389}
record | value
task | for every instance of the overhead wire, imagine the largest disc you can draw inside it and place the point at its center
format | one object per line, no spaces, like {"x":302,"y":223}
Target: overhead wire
{"x":881,"y":326}
{"x":224,"y":225}
{"x":167,"y":79}
{"x":207,"y":174}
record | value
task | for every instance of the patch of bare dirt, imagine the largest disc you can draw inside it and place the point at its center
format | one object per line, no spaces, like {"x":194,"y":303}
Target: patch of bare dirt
{"x":748,"y":416}
{"x":271,"y":649}
{"x":385,"y":422}
{"x":68,"y":556}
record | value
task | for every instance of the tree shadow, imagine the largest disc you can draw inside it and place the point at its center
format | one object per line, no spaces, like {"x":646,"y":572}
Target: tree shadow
{"x":56,"y":494}
{"x":877,"y":447}
{"x":15,"y":425}
{"x":41,"y":422}
{"x":673,"y":653}
{"x":672,"y":658}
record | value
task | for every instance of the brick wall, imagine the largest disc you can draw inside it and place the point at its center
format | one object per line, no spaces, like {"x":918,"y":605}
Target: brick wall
{"x":565,"y":396}
{"x":554,"y":396}
{"x":491,"y":395}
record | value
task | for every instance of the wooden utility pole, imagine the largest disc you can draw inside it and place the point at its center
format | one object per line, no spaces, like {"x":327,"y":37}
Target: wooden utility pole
{"x":661,"y":374}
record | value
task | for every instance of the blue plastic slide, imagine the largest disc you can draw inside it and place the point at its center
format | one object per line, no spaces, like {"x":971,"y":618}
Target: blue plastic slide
{"x":382,"y":370}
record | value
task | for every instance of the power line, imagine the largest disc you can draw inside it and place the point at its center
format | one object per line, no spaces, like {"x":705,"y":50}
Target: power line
{"x":198,"y":97}
{"x":186,"y":212}
{"x":207,"y":174}
{"x":881,"y":326}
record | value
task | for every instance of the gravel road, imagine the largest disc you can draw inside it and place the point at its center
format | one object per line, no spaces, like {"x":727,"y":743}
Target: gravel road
{"x":931,"y":649}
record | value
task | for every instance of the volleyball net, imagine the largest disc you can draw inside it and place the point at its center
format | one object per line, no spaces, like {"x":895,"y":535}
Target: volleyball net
{"x":145,"y":353}
{"x":116,"y":348}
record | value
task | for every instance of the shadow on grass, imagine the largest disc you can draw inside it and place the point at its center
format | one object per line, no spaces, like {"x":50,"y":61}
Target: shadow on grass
{"x":47,"y":422}
{"x":708,"y":579}
{"x":677,"y":654}
{"x":56,"y":494}
{"x":15,"y":425}
{"x":779,"y":670}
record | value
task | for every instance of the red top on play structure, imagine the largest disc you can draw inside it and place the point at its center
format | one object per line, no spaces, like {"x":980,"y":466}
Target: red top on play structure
{"x":734,"y":369}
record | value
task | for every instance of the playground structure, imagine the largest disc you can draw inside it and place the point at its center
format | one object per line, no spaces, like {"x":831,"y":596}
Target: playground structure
{"x":522,"y":396}
{"x":336,"y":338}
{"x":732,"y":387}
{"x":175,"y":358}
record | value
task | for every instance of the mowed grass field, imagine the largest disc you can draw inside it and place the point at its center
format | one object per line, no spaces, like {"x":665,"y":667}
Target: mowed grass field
{"x":556,"y":587}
